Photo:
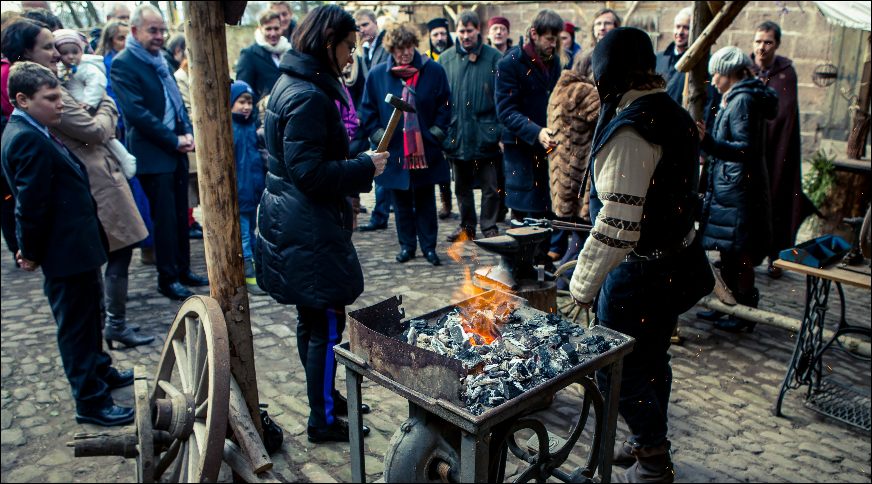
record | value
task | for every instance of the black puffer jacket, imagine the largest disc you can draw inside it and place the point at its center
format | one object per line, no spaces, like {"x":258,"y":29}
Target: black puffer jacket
{"x":736,"y":211}
{"x":303,"y":252}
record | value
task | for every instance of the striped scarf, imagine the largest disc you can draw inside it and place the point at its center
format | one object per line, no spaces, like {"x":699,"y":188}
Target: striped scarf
{"x":414,"y":157}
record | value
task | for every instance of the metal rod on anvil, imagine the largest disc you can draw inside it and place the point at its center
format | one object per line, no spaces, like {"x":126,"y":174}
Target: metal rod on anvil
{"x":560,"y":225}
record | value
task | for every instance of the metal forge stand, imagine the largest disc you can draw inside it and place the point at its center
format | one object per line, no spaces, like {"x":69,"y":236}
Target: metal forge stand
{"x":442,"y":441}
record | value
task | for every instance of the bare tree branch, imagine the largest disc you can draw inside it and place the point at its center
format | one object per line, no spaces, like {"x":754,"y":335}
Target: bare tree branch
{"x":73,"y":14}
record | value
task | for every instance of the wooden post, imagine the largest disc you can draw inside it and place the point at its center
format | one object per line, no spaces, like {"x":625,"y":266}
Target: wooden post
{"x":630,"y":12}
{"x":697,"y":80}
{"x":709,"y":36}
{"x":860,"y":123}
{"x":216,"y":169}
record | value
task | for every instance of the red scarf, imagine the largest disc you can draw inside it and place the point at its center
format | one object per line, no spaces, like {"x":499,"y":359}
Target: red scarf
{"x":414,"y":157}
{"x":530,"y":50}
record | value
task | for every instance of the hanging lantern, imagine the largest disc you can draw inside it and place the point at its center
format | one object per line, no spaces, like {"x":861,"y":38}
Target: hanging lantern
{"x":825,"y":75}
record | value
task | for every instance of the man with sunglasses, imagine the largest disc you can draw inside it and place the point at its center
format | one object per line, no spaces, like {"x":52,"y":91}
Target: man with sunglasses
{"x":159,"y":134}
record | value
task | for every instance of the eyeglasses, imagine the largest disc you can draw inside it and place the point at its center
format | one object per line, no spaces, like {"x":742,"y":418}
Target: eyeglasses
{"x":155,"y":30}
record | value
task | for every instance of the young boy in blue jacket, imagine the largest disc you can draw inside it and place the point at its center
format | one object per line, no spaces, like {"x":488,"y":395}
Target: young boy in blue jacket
{"x":250,"y":172}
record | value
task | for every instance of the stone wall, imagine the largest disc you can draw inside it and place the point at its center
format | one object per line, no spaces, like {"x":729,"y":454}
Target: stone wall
{"x":807,"y":38}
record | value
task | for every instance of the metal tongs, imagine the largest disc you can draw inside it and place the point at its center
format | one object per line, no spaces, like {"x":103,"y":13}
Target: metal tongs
{"x":551,"y":224}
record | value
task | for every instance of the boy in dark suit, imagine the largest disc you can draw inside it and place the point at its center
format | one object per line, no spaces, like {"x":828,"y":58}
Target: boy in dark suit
{"x":57,"y":228}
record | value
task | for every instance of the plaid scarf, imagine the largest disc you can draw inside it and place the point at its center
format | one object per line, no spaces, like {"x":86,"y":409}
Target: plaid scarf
{"x":414,"y":157}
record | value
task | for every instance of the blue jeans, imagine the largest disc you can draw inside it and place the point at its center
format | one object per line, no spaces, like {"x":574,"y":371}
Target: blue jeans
{"x":247,"y":223}
{"x":381,"y":212}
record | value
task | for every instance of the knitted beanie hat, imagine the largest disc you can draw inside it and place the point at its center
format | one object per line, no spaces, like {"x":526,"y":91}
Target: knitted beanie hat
{"x":239,"y":88}
{"x":499,"y":21}
{"x":68,"y":36}
{"x":728,"y":60}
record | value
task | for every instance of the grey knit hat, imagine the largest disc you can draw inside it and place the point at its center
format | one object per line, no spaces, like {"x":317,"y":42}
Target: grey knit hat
{"x":728,"y":60}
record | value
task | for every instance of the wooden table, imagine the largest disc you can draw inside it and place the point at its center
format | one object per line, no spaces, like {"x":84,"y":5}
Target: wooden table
{"x":806,"y":365}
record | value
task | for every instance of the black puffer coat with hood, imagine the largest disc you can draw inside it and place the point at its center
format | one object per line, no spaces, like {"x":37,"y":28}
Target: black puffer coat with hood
{"x":736,"y":211}
{"x":303,"y":251}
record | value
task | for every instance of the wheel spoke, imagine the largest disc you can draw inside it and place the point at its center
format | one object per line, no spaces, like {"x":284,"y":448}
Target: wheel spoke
{"x":166,"y":459}
{"x":202,"y":409}
{"x":193,"y":462}
{"x":182,"y":365}
{"x":202,"y":352}
{"x":184,"y":458}
{"x":190,"y":345}
{"x":178,"y":462}
{"x":169,"y":388}
{"x":202,"y":386}
{"x":200,"y":436}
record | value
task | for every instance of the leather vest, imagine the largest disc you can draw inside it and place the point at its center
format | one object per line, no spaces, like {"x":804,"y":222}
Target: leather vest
{"x":672,"y":202}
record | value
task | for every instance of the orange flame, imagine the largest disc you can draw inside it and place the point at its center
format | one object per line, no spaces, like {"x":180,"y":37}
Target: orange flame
{"x":482,"y":316}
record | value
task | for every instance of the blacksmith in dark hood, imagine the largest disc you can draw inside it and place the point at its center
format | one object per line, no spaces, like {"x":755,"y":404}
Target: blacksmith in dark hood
{"x":642,"y":265}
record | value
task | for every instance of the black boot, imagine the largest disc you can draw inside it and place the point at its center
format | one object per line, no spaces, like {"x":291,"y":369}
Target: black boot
{"x":118,"y":331}
{"x":735,"y":324}
{"x":116,"y":328}
{"x":445,"y":197}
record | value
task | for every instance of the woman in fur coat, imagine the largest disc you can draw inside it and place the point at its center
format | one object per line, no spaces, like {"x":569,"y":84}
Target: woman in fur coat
{"x":573,"y":110}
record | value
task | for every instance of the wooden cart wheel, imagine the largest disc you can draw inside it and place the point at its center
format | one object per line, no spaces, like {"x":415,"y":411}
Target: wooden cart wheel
{"x":565,"y":305}
{"x":191,"y":394}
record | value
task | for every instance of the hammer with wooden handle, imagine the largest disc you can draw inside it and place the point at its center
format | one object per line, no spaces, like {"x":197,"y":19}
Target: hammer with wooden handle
{"x":400,"y":107}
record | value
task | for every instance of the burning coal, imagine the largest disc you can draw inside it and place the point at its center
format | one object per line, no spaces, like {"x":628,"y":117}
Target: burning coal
{"x":506,"y":348}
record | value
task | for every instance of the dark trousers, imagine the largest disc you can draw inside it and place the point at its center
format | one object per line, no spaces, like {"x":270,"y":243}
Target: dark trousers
{"x":318,"y":331}
{"x":382,"y":210}
{"x":466,"y":173}
{"x":75,"y":304}
{"x":168,"y":199}
{"x":633,"y":301}
{"x":7,"y":217}
{"x":416,"y":217}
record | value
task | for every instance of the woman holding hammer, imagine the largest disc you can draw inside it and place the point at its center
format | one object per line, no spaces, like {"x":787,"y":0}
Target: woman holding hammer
{"x":303,"y":252}
{"x":416,"y":164}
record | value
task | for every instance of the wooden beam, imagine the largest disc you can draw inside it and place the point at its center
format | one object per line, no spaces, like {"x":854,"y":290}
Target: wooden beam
{"x":630,"y":12}
{"x":216,"y":167}
{"x":696,"y":81}
{"x":710,"y":35}
{"x":776,"y":320}
{"x":451,"y":13}
{"x":715,"y":6}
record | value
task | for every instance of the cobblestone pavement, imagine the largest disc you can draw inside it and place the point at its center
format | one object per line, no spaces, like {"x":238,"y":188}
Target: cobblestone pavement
{"x":720,"y":416}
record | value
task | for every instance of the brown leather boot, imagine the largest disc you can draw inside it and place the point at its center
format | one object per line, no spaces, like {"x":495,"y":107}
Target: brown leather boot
{"x":653,"y":464}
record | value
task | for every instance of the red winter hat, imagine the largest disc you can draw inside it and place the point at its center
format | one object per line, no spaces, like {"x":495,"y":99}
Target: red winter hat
{"x":570,"y":28}
{"x":499,"y":21}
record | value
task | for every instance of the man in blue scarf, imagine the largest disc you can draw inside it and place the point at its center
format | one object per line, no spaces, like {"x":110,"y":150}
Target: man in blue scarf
{"x":159,"y":134}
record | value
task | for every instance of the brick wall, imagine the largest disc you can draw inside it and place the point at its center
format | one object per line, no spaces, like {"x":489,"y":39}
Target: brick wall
{"x":807,"y":38}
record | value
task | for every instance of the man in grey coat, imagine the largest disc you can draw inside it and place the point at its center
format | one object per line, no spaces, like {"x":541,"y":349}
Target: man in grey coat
{"x":472,"y":144}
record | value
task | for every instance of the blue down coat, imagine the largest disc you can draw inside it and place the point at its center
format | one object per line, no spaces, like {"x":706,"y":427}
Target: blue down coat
{"x":303,"y":251}
{"x":736,"y":209}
